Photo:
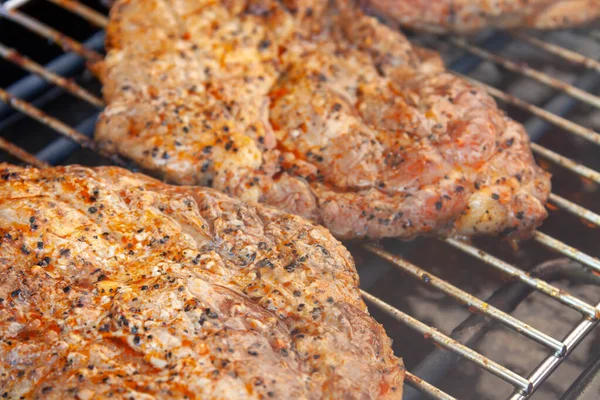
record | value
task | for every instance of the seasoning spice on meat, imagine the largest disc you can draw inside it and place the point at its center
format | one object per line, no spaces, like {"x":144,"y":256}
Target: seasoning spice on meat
{"x":319,"y":110}
{"x":466,"y":16}
{"x":163,"y":294}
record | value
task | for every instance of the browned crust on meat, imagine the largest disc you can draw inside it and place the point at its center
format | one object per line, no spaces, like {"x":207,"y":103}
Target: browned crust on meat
{"x":465,"y":16}
{"x":113,"y":284}
{"x":320,"y":111}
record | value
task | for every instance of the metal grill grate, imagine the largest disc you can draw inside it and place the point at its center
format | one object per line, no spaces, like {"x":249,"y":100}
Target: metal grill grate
{"x":24,"y":97}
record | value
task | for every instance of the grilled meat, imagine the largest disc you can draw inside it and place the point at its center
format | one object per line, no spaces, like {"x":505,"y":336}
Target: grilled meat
{"x":115,"y":284}
{"x":318,"y":110}
{"x":465,"y":16}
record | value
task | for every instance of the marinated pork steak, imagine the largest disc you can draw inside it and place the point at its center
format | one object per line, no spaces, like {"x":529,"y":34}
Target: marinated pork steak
{"x":318,"y":110}
{"x":464,"y":16}
{"x":113,"y":284}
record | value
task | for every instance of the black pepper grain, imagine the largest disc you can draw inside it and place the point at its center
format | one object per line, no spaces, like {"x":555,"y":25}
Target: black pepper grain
{"x":264,"y":44}
{"x":290,"y":267}
{"x":44,"y":262}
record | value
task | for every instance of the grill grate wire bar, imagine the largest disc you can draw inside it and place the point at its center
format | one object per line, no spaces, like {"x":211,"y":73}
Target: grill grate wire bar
{"x":22,"y":61}
{"x":524,"y":386}
{"x":559,"y":51}
{"x":87,"y":13}
{"x":529,"y":72}
{"x":68,"y":44}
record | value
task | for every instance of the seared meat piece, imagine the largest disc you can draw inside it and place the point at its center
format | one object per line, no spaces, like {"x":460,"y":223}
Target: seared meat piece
{"x":318,"y":110}
{"x":115,"y":284}
{"x":464,"y":16}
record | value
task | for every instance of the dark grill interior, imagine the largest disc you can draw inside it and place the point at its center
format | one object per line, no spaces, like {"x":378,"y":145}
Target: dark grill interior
{"x":431,"y":274}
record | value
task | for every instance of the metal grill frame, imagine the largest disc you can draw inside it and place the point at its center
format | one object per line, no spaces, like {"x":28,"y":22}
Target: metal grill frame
{"x":496,"y":309}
